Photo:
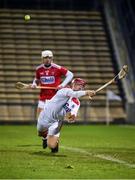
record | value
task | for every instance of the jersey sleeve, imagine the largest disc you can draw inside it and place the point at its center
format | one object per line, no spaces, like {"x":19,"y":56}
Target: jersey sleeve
{"x":69,"y":76}
{"x":68,"y":92}
{"x":75,"y":106}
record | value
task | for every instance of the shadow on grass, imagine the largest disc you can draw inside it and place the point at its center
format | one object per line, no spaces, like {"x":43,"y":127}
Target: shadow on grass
{"x":29,"y":145}
{"x":31,"y":152}
{"x":41,"y":153}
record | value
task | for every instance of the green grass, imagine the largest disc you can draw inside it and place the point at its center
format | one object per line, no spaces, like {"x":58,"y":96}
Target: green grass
{"x":21,"y":154}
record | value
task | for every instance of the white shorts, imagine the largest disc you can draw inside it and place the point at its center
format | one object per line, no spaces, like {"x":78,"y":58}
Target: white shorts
{"x":53,"y":128}
{"x":41,"y":104}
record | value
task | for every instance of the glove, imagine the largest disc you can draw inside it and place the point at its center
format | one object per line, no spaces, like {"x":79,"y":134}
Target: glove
{"x":32,"y":86}
{"x":90,"y":93}
{"x":70,"y":117}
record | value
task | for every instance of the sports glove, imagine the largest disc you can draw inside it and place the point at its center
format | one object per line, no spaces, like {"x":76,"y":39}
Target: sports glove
{"x":32,"y":86}
{"x":70,"y":117}
{"x":90,"y":93}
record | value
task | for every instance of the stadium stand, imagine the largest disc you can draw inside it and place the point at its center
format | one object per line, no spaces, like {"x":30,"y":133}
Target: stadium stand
{"x":79,"y":41}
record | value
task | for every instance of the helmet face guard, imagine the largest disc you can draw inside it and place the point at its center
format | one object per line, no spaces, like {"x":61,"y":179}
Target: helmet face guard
{"x":47,"y":57}
{"x":79,"y":81}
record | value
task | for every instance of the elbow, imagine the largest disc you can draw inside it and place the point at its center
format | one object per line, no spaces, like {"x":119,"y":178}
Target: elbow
{"x":70,"y":74}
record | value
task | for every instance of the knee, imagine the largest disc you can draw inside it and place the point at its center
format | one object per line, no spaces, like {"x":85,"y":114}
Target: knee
{"x":52,"y":142}
{"x":43,"y":134}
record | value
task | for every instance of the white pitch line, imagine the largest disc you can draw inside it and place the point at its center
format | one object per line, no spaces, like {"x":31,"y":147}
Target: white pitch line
{"x":100,"y":156}
{"x":127,"y":126}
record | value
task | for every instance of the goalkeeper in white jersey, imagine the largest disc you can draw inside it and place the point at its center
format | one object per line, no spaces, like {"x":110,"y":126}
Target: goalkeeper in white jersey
{"x":64,"y":103}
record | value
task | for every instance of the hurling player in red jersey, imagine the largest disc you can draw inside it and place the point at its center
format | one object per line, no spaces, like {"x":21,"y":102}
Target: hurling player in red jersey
{"x":50,"y":75}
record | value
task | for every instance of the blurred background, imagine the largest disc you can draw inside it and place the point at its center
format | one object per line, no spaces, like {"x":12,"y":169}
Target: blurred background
{"x":92,"y":38}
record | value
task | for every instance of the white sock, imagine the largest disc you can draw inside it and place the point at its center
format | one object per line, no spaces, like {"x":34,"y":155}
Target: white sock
{"x":44,"y":138}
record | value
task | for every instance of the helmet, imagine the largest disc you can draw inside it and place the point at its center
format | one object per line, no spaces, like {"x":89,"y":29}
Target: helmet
{"x":46,"y":53}
{"x":79,"y":81}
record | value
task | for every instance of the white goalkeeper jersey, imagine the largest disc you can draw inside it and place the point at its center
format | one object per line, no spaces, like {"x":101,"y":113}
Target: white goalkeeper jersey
{"x":66,"y":100}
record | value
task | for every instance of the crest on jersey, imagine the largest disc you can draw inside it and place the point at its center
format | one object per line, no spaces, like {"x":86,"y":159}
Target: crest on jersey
{"x":47,"y":72}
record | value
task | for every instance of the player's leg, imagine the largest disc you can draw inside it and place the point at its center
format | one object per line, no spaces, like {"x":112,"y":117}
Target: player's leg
{"x":43,"y":134}
{"x":42,"y":127}
{"x":50,"y":132}
{"x":52,"y":141}
{"x":39,"y":109}
{"x":53,"y":136}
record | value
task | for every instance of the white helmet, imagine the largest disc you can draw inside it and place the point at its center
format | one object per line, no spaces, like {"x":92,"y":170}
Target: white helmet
{"x":46,"y":53}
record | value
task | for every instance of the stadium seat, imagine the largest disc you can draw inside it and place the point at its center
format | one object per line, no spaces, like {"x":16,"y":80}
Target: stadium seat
{"x":79,"y":42}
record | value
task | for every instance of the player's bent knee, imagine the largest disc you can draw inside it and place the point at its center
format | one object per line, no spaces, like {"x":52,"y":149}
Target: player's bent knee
{"x":43,"y":134}
{"x":52,"y":144}
{"x":52,"y":141}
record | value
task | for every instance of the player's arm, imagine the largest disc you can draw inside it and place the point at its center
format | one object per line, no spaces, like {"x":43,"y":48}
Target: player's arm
{"x":78,"y":94}
{"x":36,"y":81}
{"x":75,"y":105}
{"x":71,"y":116}
{"x":69,"y":76}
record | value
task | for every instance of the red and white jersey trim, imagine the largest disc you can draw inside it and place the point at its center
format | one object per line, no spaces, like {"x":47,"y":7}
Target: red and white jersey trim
{"x":52,"y":65}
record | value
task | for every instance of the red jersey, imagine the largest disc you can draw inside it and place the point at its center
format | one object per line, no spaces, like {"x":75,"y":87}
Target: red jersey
{"x":52,"y":77}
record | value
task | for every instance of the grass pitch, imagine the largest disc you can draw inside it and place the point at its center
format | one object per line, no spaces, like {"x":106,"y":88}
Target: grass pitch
{"x":92,"y":152}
